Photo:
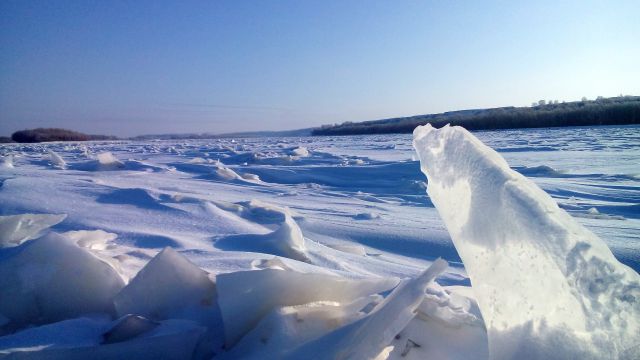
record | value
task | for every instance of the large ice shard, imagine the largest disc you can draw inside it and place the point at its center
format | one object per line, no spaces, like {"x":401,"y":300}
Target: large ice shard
{"x":16,"y":229}
{"x":169,"y":286}
{"x":52,"y":279}
{"x":245,"y":297}
{"x":547,"y":287}
{"x":367,"y":337}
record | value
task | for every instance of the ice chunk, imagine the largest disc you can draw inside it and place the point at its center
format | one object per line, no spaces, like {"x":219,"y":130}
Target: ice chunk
{"x":300,"y":151}
{"x":245,"y":297}
{"x":286,"y":328}
{"x":91,"y":239}
{"x":82,"y":338}
{"x":447,"y":325}
{"x":225,"y":173}
{"x":366,"y":216}
{"x":51,"y":278}
{"x":7,"y":162}
{"x":106,"y":161}
{"x":85,"y":331}
{"x":56,"y":160}
{"x":350,"y":248}
{"x":128,"y":327}
{"x":367,"y":337}
{"x":286,"y":241}
{"x":16,"y":229}
{"x":169,"y":286}
{"x":249,"y":176}
{"x":547,"y":287}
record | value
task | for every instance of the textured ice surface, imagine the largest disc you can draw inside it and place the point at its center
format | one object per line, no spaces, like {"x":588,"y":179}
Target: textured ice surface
{"x":547,"y":287}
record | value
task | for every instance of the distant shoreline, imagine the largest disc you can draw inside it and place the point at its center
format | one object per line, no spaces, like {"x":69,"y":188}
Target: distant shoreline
{"x":622,"y":110}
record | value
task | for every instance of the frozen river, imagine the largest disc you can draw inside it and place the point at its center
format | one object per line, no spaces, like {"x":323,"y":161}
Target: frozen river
{"x":365,"y":191}
{"x":304,"y":242}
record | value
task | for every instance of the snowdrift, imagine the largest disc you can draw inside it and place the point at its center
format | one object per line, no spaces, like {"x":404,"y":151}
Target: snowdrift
{"x":547,"y":287}
{"x":286,"y":241}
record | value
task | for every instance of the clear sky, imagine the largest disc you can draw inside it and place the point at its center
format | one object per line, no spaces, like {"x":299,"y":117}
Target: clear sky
{"x":141,"y":67}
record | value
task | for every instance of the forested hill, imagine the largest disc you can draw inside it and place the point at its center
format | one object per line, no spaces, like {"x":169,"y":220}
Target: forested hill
{"x":622,"y":110}
{"x":54,"y":134}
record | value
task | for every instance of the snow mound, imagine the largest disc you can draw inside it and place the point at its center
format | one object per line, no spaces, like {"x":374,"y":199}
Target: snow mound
{"x":169,"y":286}
{"x":263,"y":212}
{"x":16,"y":229}
{"x":57,"y":160}
{"x":50,"y":279}
{"x":245,"y":297}
{"x":547,"y":287}
{"x":286,"y":241}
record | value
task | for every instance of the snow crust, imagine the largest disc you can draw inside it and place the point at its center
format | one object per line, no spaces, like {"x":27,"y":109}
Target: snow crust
{"x":547,"y":287}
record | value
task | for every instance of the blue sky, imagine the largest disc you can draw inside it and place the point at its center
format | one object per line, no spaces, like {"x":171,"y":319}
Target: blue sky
{"x":140,"y":67}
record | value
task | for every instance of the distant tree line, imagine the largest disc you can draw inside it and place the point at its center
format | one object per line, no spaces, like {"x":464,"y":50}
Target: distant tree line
{"x":54,"y":134}
{"x":621,"y":110}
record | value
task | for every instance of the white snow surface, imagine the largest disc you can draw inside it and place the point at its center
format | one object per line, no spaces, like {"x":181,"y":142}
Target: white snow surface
{"x":547,"y":286}
{"x":317,"y":247}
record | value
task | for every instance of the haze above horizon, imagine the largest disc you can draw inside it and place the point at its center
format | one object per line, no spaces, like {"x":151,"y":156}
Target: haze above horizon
{"x":130,"y":68}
